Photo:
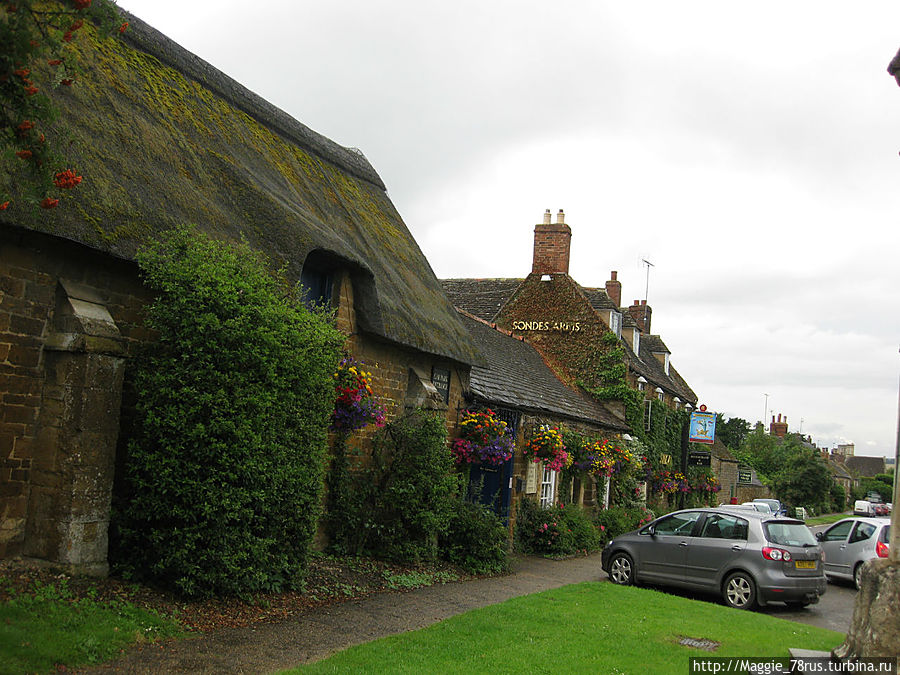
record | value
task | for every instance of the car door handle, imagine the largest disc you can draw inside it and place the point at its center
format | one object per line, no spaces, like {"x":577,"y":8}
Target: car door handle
{"x":683,"y":543}
{"x":737,"y":547}
{"x":843,"y":546}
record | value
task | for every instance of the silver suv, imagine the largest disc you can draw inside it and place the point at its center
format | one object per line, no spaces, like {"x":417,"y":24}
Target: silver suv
{"x":747,"y":557}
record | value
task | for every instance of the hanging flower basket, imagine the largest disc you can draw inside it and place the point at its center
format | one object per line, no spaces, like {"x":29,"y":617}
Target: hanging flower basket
{"x":705,"y":484}
{"x":547,"y":446}
{"x":483,"y":439}
{"x":612,"y":457}
{"x":355,"y":405}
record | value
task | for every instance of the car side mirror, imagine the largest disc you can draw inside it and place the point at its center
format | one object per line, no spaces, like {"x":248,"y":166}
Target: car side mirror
{"x":820,"y":536}
{"x":651,"y":530}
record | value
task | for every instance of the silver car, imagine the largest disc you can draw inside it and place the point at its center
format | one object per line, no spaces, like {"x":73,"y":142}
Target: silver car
{"x":747,"y":557}
{"x":850,"y":542}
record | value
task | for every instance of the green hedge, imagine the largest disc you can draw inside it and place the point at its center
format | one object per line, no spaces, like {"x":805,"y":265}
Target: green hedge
{"x":223,"y":478}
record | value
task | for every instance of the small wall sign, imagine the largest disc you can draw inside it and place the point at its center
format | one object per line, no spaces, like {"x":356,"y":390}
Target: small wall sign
{"x":440,"y":378}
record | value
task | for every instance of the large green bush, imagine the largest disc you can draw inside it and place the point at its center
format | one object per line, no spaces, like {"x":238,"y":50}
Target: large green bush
{"x":476,"y":540}
{"x":557,"y":530}
{"x":223,"y":476}
{"x":400,"y":504}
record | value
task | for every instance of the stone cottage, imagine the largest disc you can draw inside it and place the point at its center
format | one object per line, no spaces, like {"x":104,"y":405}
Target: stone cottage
{"x":525,"y":393}
{"x":163,"y":139}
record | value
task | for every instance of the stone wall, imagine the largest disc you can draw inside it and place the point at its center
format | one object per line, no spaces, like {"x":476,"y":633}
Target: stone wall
{"x":69,"y":317}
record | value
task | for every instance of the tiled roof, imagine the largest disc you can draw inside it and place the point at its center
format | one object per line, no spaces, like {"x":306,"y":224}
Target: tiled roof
{"x":481,"y":297}
{"x":865,"y":466}
{"x":485,"y":297}
{"x":599,"y":299}
{"x":517,"y":377}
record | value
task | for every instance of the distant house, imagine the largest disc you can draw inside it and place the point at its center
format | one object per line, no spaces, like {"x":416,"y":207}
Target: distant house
{"x":163,"y":139}
{"x":565,"y":320}
{"x":518,"y":385}
{"x":865,"y":467}
{"x":570,"y":325}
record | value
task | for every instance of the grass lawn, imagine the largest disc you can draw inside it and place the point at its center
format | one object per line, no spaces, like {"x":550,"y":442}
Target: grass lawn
{"x":48,"y":627}
{"x":585,"y":628}
{"x":825,"y":520}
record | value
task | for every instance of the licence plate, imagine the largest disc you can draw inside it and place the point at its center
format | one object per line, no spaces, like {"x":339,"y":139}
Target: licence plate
{"x":805,"y":564}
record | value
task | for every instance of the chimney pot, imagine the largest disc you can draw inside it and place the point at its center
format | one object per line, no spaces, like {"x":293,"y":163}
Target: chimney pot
{"x":614,"y":289}
{"x":552,"y":245}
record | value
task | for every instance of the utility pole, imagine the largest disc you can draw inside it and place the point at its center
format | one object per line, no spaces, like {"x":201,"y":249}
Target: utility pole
{"x":765,"y":412}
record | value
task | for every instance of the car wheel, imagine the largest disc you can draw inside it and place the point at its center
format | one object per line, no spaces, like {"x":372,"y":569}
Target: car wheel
{"x":621,"y":569}
{"x":739,"y":591}
{"x":857,"y":575}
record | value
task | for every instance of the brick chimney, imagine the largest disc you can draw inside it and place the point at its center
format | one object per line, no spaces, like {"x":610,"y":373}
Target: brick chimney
{"x":614,"y":289}
{"x":640,"y":311}
{"x":552,"y":242}
{"x":778,"y":428}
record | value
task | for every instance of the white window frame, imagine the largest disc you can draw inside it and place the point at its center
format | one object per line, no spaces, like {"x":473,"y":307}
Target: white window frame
{"x":548,"y":487}
{"x":666,"y":365}
{"x":636,"y":343}
{"x":615,"y":323}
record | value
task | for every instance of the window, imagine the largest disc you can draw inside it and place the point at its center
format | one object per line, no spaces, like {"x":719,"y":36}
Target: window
{"x":838,"y":532}
{"x":317,"y":279}
{"x":660,"y":394}
{"x":725,"y":527}
{"x":678,"y":524}
{"x":862,"y":532}
{"x":648,"y":409}
{"x":636,"y":344}
{"x":548,"y":488}
{"x":666,"y":364}
{"x":615,"y":323}
{"x":642,"y":383}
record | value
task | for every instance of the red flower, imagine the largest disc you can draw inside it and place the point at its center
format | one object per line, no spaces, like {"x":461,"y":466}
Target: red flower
{"x":54,"y":62}
{"x":4,"y":205}
{"x":67,"y":36}
{"x":21,"y":72}
{"x":81,"y":4}
{"x":123,"y":27}
{"x":24,"y":154}
{"x":48,"y":203}
{"x":24,"y":127}
{"x":76,"y":25}
{"x":67,"y":179}
{"x":31,"y":90}
{"x":66,"y":82}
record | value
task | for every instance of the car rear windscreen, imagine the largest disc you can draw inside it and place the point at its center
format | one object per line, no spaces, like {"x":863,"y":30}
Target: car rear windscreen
{"x":788,"y":533}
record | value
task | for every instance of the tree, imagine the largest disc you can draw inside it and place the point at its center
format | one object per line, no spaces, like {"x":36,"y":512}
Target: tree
{"x":733,"y":431}
{"x":35,"y":56}
{"x":224,"y":473}
{"x":805,"y":481}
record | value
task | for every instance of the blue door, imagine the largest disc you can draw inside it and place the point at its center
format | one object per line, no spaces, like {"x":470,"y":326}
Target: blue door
{"x":492,"y":485}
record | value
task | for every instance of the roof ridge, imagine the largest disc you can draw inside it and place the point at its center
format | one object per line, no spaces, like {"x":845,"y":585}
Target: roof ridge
{"x":144,"y":37}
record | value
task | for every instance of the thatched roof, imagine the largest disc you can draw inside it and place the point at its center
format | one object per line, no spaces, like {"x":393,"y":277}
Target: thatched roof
{"x":163,"y":138}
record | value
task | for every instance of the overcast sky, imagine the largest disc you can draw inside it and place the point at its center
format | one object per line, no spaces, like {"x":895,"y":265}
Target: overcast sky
{"x":748,"y":150}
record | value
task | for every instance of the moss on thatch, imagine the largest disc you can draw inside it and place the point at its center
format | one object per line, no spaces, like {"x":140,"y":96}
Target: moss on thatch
{"x":162,"y":139}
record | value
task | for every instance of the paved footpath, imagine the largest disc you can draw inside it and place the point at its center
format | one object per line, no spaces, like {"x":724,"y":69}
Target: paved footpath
{"x":320,"y":632}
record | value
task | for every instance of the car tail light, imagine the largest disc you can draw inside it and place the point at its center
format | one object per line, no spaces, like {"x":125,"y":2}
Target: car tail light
{"x":881,"y":549}
{"x":776,"y":554}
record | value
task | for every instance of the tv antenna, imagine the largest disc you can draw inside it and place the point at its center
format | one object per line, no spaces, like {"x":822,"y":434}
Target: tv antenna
{"x":647,"y":287}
